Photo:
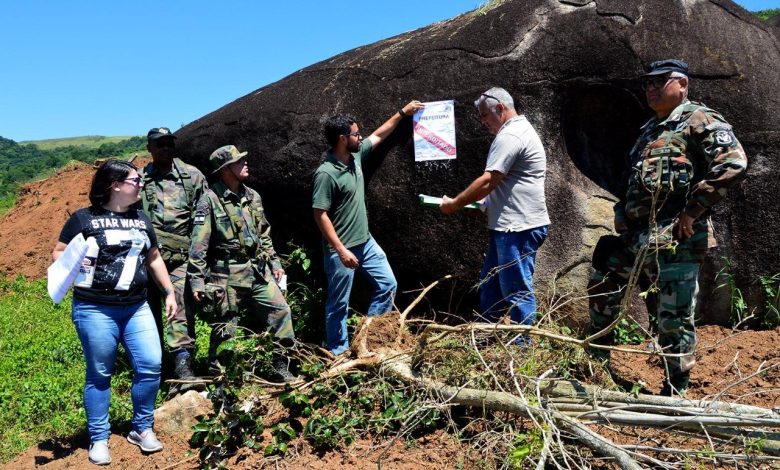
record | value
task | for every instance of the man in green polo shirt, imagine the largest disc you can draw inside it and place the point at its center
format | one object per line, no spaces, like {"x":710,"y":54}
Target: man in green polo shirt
{"x":339,"y":205}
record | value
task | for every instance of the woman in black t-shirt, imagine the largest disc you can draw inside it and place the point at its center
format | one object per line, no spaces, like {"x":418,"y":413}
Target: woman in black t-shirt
{"x":109,"y":302}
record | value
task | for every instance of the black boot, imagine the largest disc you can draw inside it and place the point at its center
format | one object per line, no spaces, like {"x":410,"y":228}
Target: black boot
{"x":182,"y":366}
{"x":677,"y":384}
{"x":281,"y":371}
{"x":182,"y":370}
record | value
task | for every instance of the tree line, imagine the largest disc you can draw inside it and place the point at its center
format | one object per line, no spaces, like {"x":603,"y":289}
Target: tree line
{"x":20,"y":163}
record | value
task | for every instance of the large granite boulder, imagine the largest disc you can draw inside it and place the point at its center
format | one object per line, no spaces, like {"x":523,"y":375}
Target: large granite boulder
{"x":571,"y":66}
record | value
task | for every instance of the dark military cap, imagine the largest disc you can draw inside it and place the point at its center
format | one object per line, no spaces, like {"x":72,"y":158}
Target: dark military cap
{"x":224,"y":156}
{"x":661,"y":67}
{"x":159,"y":132}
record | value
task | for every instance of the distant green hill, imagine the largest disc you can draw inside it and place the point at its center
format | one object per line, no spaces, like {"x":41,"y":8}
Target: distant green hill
{"x":20,"y":163}
{"x":766,"y":14}
{"x":87,"y":141}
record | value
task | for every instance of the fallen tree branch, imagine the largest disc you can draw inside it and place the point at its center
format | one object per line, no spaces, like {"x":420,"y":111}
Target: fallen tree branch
{"x":531,"y":330}
{"x":502,"y":401}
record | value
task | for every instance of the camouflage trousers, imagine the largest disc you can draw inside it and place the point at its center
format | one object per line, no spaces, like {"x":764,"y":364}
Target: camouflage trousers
{"x":256,"y":307}
{"x":670,"y":271}
{"x":180,"y":330}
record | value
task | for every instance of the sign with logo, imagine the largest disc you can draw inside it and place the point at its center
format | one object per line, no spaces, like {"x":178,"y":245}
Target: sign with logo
{"x":434,"y":132}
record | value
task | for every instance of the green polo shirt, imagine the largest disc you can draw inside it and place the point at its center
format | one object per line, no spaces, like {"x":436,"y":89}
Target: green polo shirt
{"x":339,"y":190}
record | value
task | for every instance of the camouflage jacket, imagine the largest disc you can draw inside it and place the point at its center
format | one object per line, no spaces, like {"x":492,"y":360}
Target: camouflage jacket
{"x":231,"y":238}
{"x":686,"y":162}
{"x":169,"y":200}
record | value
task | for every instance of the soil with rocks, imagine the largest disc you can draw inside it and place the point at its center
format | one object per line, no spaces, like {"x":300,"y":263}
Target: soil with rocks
{"x":29,"y":231}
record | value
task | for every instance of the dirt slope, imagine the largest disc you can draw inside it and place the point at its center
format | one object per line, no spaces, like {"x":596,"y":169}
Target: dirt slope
{"x":30,"y":229}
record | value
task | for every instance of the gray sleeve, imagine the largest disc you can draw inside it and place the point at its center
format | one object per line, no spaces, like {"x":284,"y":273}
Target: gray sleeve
{"x":503,"y":153}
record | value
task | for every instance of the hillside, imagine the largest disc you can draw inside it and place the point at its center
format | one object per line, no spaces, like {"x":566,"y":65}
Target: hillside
{"x":87,"y":141}
{"x":29,"y":230}
{"x":20,"y":163}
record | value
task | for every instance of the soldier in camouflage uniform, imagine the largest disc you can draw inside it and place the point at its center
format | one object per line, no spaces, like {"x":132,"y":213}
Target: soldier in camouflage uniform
{"x":170,"y":191}
{"x":233,"y":267}
{"x":682,"y":164}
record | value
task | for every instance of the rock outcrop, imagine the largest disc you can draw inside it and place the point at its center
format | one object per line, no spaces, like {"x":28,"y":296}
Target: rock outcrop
{"x":571,"y":66}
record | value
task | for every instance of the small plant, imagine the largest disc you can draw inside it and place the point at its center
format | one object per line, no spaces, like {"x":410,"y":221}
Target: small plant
{"x":297,"y":403}
{"x":737,"y":303}
{"x":282,"y":434}
{"x":628,"y":331}
{"x":524,"y":447}
{"x":755,"y":445}
{"x":771,"y":285}
{"x":326,"y":431}
{"x":222,"y":435}
{"x":306,"y":300}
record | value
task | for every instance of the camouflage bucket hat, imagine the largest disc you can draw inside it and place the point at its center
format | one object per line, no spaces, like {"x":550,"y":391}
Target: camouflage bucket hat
{"x":224,"y":156}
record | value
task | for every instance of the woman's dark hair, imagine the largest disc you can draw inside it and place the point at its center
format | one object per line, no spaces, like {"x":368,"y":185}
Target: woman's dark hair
{"x":337,"y":125}
{"x":107,"y":174}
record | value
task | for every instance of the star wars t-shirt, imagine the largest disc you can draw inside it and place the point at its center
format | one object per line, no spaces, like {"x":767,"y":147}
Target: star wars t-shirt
{"x":116,"y":274}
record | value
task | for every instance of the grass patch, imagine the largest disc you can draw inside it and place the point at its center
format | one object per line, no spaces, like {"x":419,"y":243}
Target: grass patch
{"x":42,"y":370}
{"x":88,"y":141}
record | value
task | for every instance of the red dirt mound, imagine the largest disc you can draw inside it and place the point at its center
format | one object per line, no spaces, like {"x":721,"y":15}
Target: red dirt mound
{"x":29,"y":231}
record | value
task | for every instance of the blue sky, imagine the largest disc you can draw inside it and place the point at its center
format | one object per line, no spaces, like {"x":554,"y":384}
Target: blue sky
{"x":74,"y":68}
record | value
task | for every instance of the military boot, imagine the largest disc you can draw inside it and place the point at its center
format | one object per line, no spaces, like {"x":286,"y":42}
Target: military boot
{"x":281,"y":369}
{"x":677,"y":384}
{"x":182,"y":366}
{"x":182,"y":369}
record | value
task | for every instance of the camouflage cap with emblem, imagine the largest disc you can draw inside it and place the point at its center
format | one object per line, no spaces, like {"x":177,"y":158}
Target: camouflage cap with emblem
{"x":224,"y":156}
{"x":158,"y":133}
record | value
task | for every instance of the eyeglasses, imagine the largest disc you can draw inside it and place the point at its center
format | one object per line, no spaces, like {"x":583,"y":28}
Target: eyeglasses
{"x":657,"y":82}
{"x":490,"y":96}
{"x":135,"y":181}
{"x":354,"y":134}
{"x":162,"y":143}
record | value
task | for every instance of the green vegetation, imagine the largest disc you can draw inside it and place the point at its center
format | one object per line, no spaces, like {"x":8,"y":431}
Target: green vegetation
{"x":766,"y":14}
{"x":87,"y":141}
{"x":42,"y":370}
{"x":628,"y":331}
{"x":331,"y":413}
{"x":22,"y":163}
{"x":771,"y":285}
{"x":766,"y":317}
{"x":737,"y":302}
{"x":306,"y":300}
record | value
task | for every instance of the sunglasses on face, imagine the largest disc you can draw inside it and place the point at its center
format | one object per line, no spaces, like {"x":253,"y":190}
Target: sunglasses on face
{"x":134,"y":181}
{"x":163,"y":143}
{"x":657,"y":82}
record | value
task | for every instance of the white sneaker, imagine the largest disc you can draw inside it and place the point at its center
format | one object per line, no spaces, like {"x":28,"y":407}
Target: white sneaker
{"x":146,"y":440}
{"x":98,"y":453}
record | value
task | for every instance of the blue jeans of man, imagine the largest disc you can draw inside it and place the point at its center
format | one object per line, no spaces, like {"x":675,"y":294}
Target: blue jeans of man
{"x":373,"y":265}
{"x":101,"y":328}
{"x":507,"y":278}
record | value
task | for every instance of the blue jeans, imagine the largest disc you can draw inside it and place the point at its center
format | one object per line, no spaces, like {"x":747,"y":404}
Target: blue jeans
{"x":100,"y":329}
{"x":507,"y":279}
{"x":374,"y":266}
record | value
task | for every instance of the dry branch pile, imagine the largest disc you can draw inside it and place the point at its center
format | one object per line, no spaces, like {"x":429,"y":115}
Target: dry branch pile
{"x":567,"y":415}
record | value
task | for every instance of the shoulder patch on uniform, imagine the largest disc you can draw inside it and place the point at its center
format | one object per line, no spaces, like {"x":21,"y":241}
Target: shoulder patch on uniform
{"x":724,"y":137}
{"x":202,"y":211}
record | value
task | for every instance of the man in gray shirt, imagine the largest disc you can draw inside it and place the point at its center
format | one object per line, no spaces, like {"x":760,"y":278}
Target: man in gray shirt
{"x":512,"y":187}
